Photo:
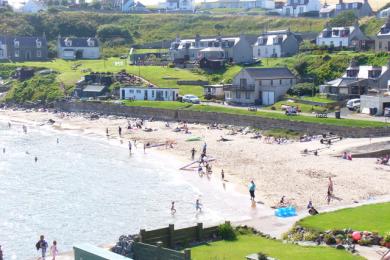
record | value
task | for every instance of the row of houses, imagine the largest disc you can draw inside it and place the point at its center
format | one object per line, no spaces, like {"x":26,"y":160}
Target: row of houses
{"x":282,"y":43}
{"x":27,"y":48}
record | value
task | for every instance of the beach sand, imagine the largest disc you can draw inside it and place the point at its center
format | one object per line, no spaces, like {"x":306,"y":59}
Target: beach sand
{"x":277,"y":169}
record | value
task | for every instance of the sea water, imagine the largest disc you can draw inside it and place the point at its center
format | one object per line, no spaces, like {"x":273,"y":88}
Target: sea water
{"x":88,"y":189}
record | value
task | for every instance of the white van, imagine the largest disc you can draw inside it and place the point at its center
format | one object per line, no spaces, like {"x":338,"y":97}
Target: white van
{"x":353,"y":104}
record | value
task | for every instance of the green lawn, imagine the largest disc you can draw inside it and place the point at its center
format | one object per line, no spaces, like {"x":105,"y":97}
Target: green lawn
{"x":374,"y":217}
{"x":299,"y":118}
{"x":319,"y":99}
{"x":303,"y":107}
{"x":248,"y":244}
{"x":141,"y":51}
{"x":161,"y":76}
{"x":157,"y":104}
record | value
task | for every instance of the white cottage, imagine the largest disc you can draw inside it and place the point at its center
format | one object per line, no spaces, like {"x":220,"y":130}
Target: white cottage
{"x":151,"y":93}
{"x":71,"y":48}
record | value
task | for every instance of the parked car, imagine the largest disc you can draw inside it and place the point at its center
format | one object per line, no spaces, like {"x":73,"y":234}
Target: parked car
{"x":353,"y":104}
{"x":191,"y":99}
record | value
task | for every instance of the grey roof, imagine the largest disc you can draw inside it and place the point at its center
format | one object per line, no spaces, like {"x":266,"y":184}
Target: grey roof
{"x":269,"y":72}
{"x":94,"y":88}
{"x":24,"y":41}
{"x":78,"y":41}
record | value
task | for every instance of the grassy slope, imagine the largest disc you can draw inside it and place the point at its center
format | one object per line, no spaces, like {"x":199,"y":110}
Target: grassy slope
{"x":303,"y":107}
{"x":154,"y":74}
{"x":248,"y":244}
{"x":157,"y":104}
{"x":369,"y":217}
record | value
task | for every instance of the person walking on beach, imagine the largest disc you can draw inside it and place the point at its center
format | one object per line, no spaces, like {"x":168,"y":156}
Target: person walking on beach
{"x":193,"y":151}
{"x":3,"y":149}
{"x":9,"y":124}
{"x":54,"y":250}
{"x":330,"y":186}
{"x":222,"y":175}
{"x":173,"y":210}
{"x":24,"y":129}
{"x":107,"y":132}
{"x":198,"y":206}
{"x":36,"y":159}
{"x":42,"y":245}
{"x":120,"y":131}
{"x":204,"y":149}
{"x":58,"y":140}
{"x":252,"y":188}
{"x":1,"y":253}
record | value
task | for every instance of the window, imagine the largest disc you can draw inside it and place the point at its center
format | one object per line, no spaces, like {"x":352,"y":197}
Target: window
{"x":291,"y":81}
{"x":39,"y":44}
{"x":258,"y":52}
{"x":227,"y":94}
{"x":17,"y":53}
{"x":260,"y":83}
{"x":131,"y":91}
{"x":39,"y":54}
{"x":380,"y":45}
{"x":1,"y":53}
{"x":247,"y":95}
{"x":301,"y":9}
{"x":16,"y":44}
{"x":331,"y":43}
{"x":238,"y":94}
{"x":138,"y":91}
{"x":340,"y":43}
{"x":152,"y":93}
{"x":243,"y":83}
{"x":68,"y":42}
{"x":166,"y":93}
{"x":273,"y":51}
{"x":272,"y":82}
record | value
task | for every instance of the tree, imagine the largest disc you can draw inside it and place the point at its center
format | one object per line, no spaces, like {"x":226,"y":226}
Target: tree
{"x":346,"y":18}
{"x":114,"y":33}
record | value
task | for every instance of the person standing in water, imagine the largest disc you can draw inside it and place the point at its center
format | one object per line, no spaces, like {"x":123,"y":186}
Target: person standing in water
{"x":42,"y":245}
{"x":193,"y":151}
{"x":173,"y":210}
{"x":54,"y":250}
{"x":252,"y":188}
{"x":36,"y":159}
{"x":3,"y":149}
{"x":130,"y":147}
{"x":58,"y":140}
{"x":198,"y":205}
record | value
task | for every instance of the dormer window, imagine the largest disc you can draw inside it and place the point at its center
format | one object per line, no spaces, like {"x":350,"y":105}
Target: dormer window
{"x":374,"y":73}
{"x":39,"y":44}
{"x":68,"y":42}
{"x":91,"y":42}
{"x":16,"y":44}
{"x":351,"y":73}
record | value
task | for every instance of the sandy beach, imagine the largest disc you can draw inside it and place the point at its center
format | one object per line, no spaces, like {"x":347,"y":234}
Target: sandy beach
{"x":277,"y":169}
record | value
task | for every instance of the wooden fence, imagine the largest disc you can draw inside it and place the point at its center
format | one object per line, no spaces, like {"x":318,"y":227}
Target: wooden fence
{"x":180,"y":238}
{"x":144,"y":251}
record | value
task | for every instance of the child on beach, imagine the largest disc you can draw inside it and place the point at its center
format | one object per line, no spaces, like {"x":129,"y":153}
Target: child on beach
{"x":173,"y":210}
{"x":41,"y":245}
{"x":54,"y":250}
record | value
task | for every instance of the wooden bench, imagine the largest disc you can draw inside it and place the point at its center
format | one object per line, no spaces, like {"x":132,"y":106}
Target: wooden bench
{"x":321,"y":114}
{"x":252,"y":108}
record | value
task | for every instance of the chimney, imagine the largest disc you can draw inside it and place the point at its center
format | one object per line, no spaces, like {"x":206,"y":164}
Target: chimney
{"x":340,"y":2}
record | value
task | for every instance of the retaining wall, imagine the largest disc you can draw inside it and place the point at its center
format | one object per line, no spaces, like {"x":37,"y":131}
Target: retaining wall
{"x":221,"y":118}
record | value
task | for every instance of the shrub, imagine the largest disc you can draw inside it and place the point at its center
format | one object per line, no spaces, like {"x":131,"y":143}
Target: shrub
{"x":329,"y":239}
{"x":386,"y":238}
{"x":297,"y":236}
{"x":226,"y":232}
{"x":310,"y":236}
{"x":364,"y":242}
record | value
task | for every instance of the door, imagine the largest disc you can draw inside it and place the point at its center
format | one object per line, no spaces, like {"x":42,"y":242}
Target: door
{"x":268,"y":98}
{"x":146,"y":95}
{"x":123,"y":94}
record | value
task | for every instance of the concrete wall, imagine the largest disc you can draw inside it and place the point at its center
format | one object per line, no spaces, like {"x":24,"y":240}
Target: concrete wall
{"x":221,"y":118}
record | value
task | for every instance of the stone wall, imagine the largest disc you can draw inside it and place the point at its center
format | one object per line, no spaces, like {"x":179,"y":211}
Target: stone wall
{"x":221,"y":118}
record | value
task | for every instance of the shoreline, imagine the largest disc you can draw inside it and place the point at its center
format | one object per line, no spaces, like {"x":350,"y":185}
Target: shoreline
{"x":277,"y":169}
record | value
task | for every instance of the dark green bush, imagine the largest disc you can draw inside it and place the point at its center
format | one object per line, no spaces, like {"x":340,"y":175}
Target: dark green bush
{"x":226,"y":232}
{"x":329,"y":239}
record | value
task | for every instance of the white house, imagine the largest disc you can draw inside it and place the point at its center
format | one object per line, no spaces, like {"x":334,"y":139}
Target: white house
{"x":178,"y":5}
{"x":347,"y":37}
{"x":213,"y":91}
{"x":33,"y":6}
{"x":275,"y":44}
{"x":71,"y":48}
{"x":246,"y":4}
{"x":151,"y":93}
{"x":299,"y":7}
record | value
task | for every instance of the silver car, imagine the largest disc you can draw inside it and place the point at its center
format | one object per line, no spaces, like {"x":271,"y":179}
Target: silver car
{"x":191,"y":99}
